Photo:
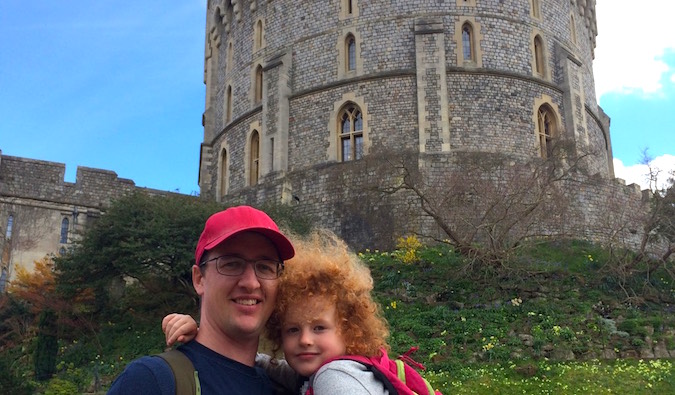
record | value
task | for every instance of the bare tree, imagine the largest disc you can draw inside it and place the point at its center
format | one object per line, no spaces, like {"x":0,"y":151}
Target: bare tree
{"x":659,"y":224}
{"x":484,"y":204}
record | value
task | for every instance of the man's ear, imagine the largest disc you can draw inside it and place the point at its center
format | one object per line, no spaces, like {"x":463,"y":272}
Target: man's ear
{"x":198,"y":280}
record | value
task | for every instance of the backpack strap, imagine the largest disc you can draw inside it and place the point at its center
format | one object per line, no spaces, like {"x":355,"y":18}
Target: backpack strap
{"x":395,"y":374}
{"x":184,"y":373}
{"x":401,"y":374}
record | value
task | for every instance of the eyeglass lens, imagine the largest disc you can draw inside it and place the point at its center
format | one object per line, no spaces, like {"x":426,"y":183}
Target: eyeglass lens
{"x":236,"y":266}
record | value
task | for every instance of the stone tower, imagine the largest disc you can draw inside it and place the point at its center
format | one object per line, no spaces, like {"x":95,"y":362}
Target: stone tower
{"x":296,"y":92}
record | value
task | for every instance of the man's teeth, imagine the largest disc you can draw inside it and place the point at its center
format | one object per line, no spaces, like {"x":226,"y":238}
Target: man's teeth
{"x":248,"y":302}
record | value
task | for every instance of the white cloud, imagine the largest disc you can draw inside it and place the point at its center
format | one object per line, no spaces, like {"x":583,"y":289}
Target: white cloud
{"x":631,"y":40}
{"x":638,"y":173}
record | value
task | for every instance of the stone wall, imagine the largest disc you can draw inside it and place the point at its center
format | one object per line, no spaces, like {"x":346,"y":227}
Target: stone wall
{"x":415,"y":91}
{"x":40,"y":202}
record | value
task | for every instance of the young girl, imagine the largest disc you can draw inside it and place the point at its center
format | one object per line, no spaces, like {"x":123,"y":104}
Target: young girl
{"x":324,"y":310}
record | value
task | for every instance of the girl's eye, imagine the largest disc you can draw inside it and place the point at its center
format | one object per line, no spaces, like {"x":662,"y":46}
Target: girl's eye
{"x":291,"y":330}
{"x":319,"y":328}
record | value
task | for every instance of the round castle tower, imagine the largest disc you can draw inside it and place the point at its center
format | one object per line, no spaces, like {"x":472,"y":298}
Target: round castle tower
{"x":295,"y":91}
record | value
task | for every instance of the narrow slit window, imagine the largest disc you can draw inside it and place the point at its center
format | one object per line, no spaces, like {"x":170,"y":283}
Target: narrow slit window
{"x":539,"y":56}
{"x":254,"y":166}
{"x":228,"y":105}
{"x":258,"y":35}
{"x":65,"y":224}
{"x":258,"y":84}
{"x":10,"y":225}
{"x":351,"y":53}
{"x":467,"y":42}
{"x":223,"y":173}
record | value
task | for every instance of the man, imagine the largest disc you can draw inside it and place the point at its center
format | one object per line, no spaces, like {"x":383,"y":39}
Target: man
{"x":238,"y":260}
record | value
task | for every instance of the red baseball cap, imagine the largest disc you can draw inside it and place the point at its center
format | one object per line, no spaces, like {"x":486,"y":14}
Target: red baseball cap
{"x":225,"y":224}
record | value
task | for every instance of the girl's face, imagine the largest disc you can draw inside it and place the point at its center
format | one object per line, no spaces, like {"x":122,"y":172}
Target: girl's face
{"x":310,"y":335}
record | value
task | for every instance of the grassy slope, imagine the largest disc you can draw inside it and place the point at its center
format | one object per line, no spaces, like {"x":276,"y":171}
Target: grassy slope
{"x":514,"y":324}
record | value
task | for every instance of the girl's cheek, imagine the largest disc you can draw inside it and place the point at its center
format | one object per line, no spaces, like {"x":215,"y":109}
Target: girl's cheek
{"x":286,"y":342}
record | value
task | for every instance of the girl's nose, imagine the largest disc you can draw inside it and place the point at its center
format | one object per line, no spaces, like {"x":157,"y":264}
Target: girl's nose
{"x":306,"y":338}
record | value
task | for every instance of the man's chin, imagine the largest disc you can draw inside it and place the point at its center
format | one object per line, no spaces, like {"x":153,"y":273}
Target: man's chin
{"x":250,"y":329}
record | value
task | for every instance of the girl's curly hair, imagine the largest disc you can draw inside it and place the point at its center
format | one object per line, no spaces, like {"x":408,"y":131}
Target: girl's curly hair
{"x":324,"y":266}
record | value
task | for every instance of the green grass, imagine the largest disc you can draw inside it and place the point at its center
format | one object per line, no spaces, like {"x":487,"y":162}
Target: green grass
{"x":590,"y":377}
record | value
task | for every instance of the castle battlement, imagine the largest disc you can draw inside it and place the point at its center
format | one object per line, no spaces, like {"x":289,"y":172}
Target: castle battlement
{"x":42,"y":214}
{"x":23,"y":178}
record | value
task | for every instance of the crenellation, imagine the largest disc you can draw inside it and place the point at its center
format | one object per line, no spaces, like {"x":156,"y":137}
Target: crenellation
{"x":37,"y":197}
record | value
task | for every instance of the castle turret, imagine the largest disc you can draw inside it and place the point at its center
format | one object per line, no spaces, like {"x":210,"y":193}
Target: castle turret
{"x":293,"y":89}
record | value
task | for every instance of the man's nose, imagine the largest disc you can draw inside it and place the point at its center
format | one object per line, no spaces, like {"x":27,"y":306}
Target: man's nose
{"x":249,"y":279}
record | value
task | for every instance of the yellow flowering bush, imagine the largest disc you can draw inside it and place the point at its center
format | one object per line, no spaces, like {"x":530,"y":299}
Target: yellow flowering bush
{"x":407,"y":248}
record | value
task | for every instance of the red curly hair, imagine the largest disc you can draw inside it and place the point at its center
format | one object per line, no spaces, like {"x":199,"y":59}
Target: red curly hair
{"x":324,"y":267}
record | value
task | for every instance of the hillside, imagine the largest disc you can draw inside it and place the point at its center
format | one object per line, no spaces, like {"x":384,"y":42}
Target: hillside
{"x":559,"y":302}
{"x":565,"y":301}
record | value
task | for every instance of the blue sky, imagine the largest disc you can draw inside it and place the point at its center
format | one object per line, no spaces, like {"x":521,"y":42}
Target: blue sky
{"x":118,"y":85}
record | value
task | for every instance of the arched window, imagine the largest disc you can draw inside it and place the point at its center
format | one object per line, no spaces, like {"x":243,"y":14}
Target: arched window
{"x":228,"y":105}
{"x":258,"y":84}
{"x":351,"y":133}
{"x":65,"y":224}
{"x":540,"y":67}
{"x":350,"y":44}
{"x":258,"y":34}
{"x":546,"y":130}
{"x":467,"y":42}
{"x":10,"y":224}
{"x":254,"y":158}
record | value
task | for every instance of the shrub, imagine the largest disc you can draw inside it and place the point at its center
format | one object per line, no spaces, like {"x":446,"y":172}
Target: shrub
{"x":10,"y":383}
{"x":406,"y":249}
{"x":59,"y":386}
{"x":47,"y":346}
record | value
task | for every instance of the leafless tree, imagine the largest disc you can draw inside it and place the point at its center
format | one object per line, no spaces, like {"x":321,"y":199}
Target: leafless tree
{"x":484,"y":204}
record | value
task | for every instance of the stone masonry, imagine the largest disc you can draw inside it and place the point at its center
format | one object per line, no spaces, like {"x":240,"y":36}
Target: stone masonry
{"x":409,"y":76}
{"x":46,"y":212}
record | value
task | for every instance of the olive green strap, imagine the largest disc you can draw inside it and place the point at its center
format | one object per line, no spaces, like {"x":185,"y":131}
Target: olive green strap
{"x":184,"y":373}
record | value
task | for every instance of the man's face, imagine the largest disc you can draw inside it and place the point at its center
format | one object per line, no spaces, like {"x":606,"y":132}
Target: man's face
{"x":236,"y":306}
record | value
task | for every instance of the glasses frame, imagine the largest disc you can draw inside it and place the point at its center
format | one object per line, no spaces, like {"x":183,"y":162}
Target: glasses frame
{"x":254,"y":263}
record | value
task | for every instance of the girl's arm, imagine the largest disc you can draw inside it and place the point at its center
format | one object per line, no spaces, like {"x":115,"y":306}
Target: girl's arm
{"x":283,"y":377}
{"x":179,"y":327}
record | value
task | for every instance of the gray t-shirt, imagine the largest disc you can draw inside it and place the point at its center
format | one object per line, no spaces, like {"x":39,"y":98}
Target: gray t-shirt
{"x":346,"y":377}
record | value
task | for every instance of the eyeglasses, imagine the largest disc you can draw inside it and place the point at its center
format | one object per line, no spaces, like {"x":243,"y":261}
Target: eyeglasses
{"x":230,"y":265}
